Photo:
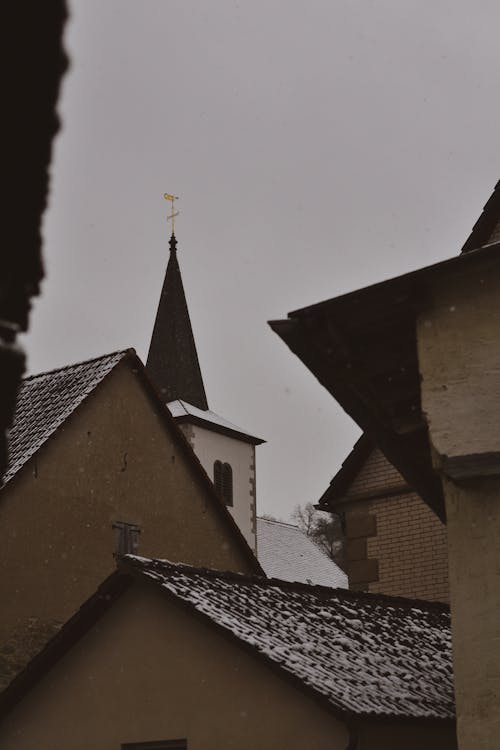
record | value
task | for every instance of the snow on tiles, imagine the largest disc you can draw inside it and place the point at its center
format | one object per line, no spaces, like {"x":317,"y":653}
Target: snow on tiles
{"x":366,"y":654}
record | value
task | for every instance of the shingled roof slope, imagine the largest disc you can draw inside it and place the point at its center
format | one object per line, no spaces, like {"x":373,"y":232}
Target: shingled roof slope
{"x":46,"y":400}
{"x":361,"y":654}
{"x":285,"y":552}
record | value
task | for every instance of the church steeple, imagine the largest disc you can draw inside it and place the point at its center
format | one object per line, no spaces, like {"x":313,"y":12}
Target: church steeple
{"x":172,"y":360}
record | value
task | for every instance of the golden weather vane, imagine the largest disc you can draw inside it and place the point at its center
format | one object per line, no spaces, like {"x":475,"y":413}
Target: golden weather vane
{"x":173,"y":213}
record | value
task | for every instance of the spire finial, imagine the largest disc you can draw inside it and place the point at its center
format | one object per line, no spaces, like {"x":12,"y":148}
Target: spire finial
{"x":173,"y":213}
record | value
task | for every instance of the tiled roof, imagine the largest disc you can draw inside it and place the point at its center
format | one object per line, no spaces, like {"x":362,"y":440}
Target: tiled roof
{"x":362,"y":654}
{"x":46,"y":400}
{"x":285,"y":552}
{"x":182,"y":410}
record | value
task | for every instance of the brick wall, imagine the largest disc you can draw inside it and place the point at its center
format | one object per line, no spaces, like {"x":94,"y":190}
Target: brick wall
{"x":395,"y":544}
{"x":376,"y":476}
{"x":411,"y":549}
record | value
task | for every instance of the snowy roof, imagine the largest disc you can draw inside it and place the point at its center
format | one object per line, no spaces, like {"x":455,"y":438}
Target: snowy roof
{"x":363,"y":654}
{"x":285,"y":552}
{"x":183,"y":411}
{"x":46,"y":400}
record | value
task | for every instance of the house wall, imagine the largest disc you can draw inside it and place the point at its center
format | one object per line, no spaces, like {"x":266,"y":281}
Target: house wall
{"x":113,"y":459}
{"x":149,"y":670}
{"x":377,"y":476}
{"x":211,"y":446}
{"x":395,"y":544}
{"x":406,"y":735}
{"x":459,"y":360}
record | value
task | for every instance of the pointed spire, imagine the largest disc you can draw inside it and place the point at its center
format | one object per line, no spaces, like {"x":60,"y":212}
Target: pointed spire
{"x":172,"y":360}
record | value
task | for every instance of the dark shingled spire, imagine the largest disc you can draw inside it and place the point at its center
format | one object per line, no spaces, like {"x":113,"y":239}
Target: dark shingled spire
{"x":172,"y":362}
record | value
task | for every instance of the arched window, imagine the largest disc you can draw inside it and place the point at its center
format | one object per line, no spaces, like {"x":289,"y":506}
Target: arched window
{"x":223,"y":480}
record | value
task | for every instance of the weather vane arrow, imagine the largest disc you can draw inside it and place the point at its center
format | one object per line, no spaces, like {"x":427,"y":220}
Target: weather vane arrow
{"x":173,"y":213}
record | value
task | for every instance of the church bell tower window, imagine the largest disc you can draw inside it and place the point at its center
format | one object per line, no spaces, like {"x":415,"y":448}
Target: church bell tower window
{"x":223,"y":480}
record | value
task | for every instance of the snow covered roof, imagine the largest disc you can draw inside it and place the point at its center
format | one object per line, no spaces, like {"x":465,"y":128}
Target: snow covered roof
{"x":46,"y":400}
{"x":363,"y":654}
{"x":285,"y":552}
{"x":182,"y":411}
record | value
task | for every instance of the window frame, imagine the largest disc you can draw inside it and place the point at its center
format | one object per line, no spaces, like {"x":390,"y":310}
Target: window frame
{"x":223,"y":482}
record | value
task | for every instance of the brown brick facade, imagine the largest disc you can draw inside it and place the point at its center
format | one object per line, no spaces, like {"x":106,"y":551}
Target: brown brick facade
{"x":395,"y":544}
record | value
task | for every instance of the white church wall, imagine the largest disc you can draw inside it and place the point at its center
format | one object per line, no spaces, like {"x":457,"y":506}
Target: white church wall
{"x":212,"y":446}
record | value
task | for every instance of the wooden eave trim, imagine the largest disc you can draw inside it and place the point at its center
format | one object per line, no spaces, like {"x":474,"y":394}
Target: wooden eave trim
{"x":347,"y":473}
{"x":402,"y":288}
{"x":352,"y":398}
{"x":220,"y":429}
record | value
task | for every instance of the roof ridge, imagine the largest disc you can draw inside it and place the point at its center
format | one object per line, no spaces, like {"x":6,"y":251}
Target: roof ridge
{"x":281,"y":523}
{"x":129,"y":350}
{"x":327,"y":591}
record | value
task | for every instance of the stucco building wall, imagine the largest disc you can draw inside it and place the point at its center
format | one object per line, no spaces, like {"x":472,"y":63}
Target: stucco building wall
{"x":150,"y":671}
{"x":212,"y":446}
{"x":459,"y":361}
{"x":112,"y":460}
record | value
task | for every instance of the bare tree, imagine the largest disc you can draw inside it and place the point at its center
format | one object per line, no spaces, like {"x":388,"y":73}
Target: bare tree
{"x":325,"y":529}
{"x":305,"y":517}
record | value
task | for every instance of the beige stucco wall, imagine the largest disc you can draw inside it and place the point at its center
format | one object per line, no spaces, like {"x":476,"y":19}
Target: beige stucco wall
{"x":150,"y":671}
{"x":112,"y":460}
{"x":459,"y":360}
{"x":473,"y":512}
{"x":211,"y":446}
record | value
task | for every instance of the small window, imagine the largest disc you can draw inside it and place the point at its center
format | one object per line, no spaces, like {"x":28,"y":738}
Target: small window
{"x":223,"y":480}
{"x":156,"y":745}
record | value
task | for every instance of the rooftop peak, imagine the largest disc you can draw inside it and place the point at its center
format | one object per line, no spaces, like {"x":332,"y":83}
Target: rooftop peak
{"x":172,"y":362}
{"x":173,"y":244}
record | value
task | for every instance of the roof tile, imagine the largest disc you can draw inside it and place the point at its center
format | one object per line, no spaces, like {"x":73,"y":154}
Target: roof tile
{"x":285,"y":552}
{"x":46,"y":400}
{"x":365,"y":654}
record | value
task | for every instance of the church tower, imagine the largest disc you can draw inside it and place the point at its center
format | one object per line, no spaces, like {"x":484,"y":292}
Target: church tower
{"x":226,"y":452}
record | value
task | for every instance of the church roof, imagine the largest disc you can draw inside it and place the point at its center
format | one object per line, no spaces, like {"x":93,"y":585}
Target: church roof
{"x":184,"y":412}
{"x":285,"y":552}
{"x":172,"y":362}
{"x":357,"y":654}
{"x":46,"y":400}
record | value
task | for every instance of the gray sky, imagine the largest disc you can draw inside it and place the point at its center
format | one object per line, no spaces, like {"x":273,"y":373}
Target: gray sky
{"x":316,"y":146}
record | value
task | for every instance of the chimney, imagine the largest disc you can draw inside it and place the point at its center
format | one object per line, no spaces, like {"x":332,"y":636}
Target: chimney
{"x":127,"y":538}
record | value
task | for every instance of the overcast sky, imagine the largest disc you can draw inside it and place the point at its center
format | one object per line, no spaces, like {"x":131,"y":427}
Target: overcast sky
{"x":316,"y":146}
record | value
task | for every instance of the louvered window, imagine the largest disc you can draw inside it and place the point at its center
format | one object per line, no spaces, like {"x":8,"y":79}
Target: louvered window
{"x":223,"y":480}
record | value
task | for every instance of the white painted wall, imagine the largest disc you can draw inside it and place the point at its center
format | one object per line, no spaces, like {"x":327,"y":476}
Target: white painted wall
{"x":212,"y":446}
